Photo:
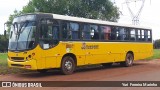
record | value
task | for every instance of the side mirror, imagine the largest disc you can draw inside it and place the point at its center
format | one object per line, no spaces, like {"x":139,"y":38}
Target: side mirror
{"x":5,"y":32}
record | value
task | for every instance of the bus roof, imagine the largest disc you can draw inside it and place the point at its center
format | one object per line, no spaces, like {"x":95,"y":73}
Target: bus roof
{"x":85,"y":20}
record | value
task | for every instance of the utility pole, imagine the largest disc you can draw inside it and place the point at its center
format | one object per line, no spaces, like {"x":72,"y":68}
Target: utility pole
{"x":135,"y":16}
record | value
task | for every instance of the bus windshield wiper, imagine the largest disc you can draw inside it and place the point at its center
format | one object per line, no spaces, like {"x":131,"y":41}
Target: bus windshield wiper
{"x":21,"y":27}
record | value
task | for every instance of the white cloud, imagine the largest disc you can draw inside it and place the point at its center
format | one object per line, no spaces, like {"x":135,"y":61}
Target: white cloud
{"x":7,"y":7}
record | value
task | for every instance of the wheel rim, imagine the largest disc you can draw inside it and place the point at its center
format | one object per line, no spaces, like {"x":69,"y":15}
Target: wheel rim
{"x":68,"y":65}
{"x":130,"y":60}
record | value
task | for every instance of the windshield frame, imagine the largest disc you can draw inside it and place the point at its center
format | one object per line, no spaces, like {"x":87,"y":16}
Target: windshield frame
{"x":24,"y":27}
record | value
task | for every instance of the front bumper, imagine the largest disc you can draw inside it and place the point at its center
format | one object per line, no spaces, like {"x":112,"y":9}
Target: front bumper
{"x":30,"y":64}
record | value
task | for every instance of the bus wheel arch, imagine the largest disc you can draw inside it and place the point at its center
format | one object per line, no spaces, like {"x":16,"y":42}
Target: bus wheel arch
{"x":68,"y":63}
{"x":128,"y":59}
{"x":131,"y":53}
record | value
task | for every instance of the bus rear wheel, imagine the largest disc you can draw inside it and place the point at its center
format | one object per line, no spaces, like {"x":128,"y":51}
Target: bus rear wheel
{"x":67,"y":65}
{"x":128,"y":60}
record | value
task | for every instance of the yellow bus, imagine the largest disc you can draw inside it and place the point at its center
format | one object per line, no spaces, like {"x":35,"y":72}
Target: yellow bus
{"x":45,"y":41}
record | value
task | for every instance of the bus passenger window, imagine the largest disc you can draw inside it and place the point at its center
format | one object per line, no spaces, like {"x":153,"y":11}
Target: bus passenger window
{"x":145,"y":35}
{"x":105,"y":32}
{"x":121,"y":33}
{"x":114,"y":33}
{"x":149,"y":35}
{"x":85,"y":32}
{"x":142,"y":35}
{"x":126,"y":34}
{"x":74,"y":29}
{"x":65,"y":30}
{"x":94,"y":32}
{"x":139,"y":35}
{"x":132,"y":35}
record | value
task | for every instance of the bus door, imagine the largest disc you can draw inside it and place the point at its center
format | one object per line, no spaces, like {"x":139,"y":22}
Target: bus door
{"x":49,"y":35}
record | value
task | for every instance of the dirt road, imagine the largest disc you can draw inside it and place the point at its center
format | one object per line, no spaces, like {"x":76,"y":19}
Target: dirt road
{"x":140,"y":71}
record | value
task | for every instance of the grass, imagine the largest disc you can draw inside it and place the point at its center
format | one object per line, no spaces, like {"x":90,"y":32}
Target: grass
{"x":4,"y":69}
{"x":156,"y":54}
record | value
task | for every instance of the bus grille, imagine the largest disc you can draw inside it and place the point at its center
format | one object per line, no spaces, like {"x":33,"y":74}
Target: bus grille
{"x":17,"y":59}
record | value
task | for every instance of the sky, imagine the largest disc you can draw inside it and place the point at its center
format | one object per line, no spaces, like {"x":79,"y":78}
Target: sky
{"x":149,"y":17}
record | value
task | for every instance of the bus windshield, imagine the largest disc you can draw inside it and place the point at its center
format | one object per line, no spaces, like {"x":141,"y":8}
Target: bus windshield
{"x":22,"y":36}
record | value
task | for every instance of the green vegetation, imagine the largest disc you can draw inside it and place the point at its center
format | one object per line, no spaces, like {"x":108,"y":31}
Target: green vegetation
{"x":3,"y":63}
{"x":157,"y":44}
{"x":156,"y":54}
{"x":94,"y":9}
{"x":3,"y":43}
{"x":4,"y":69}
{"x":3,"y":57}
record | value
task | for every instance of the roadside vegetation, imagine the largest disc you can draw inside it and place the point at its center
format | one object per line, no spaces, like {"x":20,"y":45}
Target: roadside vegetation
{"x":4,"y":69}
{"x":156,"y":54}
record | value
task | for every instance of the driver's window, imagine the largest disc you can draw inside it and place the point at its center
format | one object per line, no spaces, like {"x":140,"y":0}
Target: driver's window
{"x":49,"y":33}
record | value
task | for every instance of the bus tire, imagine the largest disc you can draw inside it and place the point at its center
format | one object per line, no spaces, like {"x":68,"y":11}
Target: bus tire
{"x":128,"y":60}
{"x":42,"y":71}
{"x":67,"y":65}
{"x":107,"y":64}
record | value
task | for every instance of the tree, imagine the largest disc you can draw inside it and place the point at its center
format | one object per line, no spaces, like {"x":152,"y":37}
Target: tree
{"x":157,"y":44}
{"x":3,"y":43}
{"x":11,"y":17}
{"x":94,"y":9}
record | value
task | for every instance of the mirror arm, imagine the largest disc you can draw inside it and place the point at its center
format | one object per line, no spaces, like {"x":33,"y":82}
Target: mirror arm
{"x":5,"y":30}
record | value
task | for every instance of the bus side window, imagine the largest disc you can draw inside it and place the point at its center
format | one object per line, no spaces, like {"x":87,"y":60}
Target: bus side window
{"x":114,"y":33}
{"x":121,"y":33}
{"x":145,"y":35}
{"x":142,"y":35}
{"x":86,"y":32}
{"x":94,"y":32}
{"x":105,"y":32}
{"x":139,"y":35}
{"x":149,"y":35}
{"x":132,"y":35}
{"x":48,"y":34}
{"x":74,"y":29}
{"x":65,"y":32}
{"x":126,"y":34}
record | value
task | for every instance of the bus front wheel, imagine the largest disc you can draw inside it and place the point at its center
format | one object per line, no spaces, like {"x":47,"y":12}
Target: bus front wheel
{"x":128,"y":60}
{"x":67,"y":65}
